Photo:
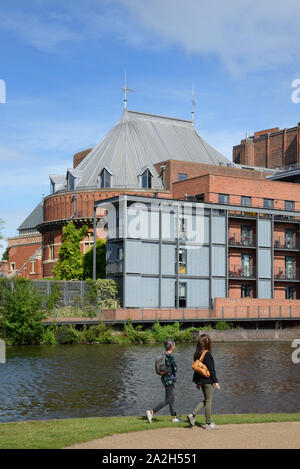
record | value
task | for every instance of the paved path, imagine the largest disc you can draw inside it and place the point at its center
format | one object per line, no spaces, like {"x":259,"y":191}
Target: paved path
{"x":285,"y":435}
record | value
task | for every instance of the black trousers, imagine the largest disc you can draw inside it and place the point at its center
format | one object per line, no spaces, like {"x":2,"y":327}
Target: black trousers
{"x":169,"y":399}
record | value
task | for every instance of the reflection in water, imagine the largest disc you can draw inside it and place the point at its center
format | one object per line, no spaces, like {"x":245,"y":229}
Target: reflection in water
{"x":46,"y":382}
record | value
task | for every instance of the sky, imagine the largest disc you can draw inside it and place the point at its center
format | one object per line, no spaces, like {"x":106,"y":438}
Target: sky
{"x":62,"y":69}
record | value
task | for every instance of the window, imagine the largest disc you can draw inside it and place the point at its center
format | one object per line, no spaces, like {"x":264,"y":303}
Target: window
{"x":12,"y":266}
{"x":181,"y":295}
{"x":246,"y":201}
{"x":88,"y":242}
{"x":246,"y":291}
{"x":182,"y":176}
{"x":246,"y":235}
{"x":51,"y":249}
{"x":246,"y":265}
{"x":199,"y":197}
{"x":104,"y":179}
{"x":290,"y":293}
{"x":290,"y":267}
{"x":70,"y":182}
{"x":289,"y":239}
{"x":32,"y":267}
{"x":146,"y":179}
{"x":289,"y":205}
{"x":223,"y":198}
{"x":181,"y":261}
{"x":268,"y":203}
{"x":182,"y":228}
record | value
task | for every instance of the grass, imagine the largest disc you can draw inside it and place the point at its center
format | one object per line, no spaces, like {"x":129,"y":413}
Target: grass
{"x":55,"y":434}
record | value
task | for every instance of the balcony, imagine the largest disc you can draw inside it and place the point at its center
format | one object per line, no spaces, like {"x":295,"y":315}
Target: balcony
{"x":239,"y":272}
{"x":244,"y":242}
{"x":286,"y":245}
{"x":287,"y":274}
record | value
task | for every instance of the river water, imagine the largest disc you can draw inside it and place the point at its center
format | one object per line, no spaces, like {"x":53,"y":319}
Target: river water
{"x":68,"y":381}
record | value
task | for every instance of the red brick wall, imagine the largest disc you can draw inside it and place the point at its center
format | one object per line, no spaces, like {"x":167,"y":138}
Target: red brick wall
{"x":21,"y":249}
{"x":61,"y":206}
{"x":235,"y":187}
{"x":278,"y":148}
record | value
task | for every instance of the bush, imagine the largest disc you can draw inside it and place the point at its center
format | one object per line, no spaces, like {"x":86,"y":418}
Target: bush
{"x":137,"y":335}
{"x":67,"y":335}
{"x":48,"y":337}
{"x":21,"y":312}
{"x":222,"y":326}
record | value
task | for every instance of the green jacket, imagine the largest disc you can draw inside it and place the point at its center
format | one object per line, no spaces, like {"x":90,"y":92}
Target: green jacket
{"x":167,"y":379}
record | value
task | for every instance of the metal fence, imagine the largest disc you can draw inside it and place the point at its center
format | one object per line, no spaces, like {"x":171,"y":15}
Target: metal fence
{"x":72,"y":293}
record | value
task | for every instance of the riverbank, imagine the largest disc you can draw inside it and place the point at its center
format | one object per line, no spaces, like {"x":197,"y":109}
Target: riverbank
{"x":56,"y":434}
{"x":250,"y":335}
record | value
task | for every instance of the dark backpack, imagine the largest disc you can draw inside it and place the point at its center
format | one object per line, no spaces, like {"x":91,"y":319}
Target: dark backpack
{"x":160,"y":365}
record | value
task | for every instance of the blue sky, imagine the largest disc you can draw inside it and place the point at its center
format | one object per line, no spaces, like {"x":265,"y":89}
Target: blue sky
{"x":63,"y":65}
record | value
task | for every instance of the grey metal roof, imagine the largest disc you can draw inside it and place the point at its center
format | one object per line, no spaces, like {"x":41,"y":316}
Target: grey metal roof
{"x":34,"y":219}
{"x":139,"y":141}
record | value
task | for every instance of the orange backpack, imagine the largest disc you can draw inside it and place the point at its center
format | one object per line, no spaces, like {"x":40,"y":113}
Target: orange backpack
{"x":199,"y":366}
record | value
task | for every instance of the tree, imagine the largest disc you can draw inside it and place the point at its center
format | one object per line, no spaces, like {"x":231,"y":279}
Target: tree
{"x":5,"y":255}
{"x":2,"y":223}
{"x":21,"y":312}
{"x":100,"y":260}
{"x":70,"y":259}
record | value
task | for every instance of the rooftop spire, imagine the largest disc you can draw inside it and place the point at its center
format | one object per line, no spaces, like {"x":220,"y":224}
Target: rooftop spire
{"x":125,"y":90}
{"x":193,"y":103}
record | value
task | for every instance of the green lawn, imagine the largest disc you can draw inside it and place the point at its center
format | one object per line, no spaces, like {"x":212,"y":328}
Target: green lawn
{"x":54,"y":434}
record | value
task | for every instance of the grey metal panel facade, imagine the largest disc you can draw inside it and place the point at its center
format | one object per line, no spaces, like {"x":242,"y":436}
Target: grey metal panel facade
{"x":133,"y":256}
{"x":264,"y":289}
{"x":264,"y":230}
{"x":168,"y":226}
{"x":198,"y":261}
{"x":168,"y":293}
{"x":133,"y":291}
{"x":264,"y":263}
{"x":218,"y":288}
{"x":218,"y":261}
{"x":150,"y":258}
{"x":197,"y":293}
{"x":149,"y":292}
{"x":168,"y":259}
{"x":218,"y":229}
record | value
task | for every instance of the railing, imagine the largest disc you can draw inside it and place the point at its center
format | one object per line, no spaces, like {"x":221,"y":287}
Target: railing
{"x":286,"y":274}
{"x":278,"y":244}
{"x":249,"y":241}
{"x":237,"y":271}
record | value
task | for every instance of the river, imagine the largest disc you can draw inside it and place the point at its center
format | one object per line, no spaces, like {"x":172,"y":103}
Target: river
{"x":68,"y":381}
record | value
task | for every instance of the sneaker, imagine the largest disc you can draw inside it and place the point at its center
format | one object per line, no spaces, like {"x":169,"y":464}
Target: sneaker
{"x":211,"y":426}
{"x":176,"y":419}
{"x":191,"y":419}
{"x":149,"y":415}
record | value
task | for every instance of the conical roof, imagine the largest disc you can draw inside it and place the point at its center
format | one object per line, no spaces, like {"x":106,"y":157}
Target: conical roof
{"x":139,"y":141}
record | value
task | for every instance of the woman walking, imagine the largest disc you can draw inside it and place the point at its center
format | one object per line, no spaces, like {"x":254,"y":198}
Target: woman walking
{"x":205,"y":383}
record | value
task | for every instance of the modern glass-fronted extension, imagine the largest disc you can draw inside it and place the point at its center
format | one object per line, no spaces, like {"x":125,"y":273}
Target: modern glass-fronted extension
{"x":166,"y":253}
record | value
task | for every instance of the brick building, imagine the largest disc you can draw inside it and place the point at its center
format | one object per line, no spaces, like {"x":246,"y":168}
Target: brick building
{"x":124,"y":162}
{"x":270,"y":148}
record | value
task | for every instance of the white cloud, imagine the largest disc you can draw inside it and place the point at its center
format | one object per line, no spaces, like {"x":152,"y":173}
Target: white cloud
{"x":244,"y":35}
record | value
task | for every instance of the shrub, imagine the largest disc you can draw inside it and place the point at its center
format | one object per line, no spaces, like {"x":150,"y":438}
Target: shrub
{"x":222,"y":326}
{"x":67,"y":335}
{"x":48,"y":337}
{"x":21,"y":312}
